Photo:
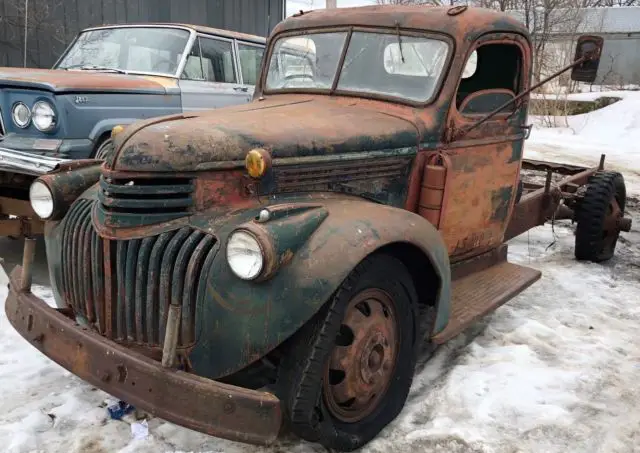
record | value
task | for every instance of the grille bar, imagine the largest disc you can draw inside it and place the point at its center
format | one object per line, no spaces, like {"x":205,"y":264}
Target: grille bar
{"x":124,"y":287}
{"x":297,"y":177}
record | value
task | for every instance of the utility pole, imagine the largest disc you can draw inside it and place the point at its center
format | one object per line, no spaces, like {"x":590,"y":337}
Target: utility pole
{"x":332,"y":4}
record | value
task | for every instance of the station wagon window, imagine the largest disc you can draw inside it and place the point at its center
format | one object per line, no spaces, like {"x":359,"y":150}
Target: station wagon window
{"x":135,"y":49}
{"x":210,"y":60}
{"x":407,"y":67}
{"x":250,"y":61}
{"x":491,"y":77}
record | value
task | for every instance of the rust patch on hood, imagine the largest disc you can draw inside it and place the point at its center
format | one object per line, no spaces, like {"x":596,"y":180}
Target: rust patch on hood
{"x":58,"y":80}
{"x":298,"y":128}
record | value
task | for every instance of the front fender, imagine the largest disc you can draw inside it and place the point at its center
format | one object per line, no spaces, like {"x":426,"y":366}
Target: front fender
{"x":317,"y":243}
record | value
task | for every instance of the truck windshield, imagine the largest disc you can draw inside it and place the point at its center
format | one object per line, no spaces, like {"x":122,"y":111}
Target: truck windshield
{"x":128,"y":49}
{"x":407,"y":67}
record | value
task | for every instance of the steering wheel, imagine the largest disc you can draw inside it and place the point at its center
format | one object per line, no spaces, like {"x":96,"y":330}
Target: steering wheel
{"x":162,"y":60}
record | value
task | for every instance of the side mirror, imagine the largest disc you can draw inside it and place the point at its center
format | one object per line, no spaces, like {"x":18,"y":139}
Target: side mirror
{"x":589,"y":47}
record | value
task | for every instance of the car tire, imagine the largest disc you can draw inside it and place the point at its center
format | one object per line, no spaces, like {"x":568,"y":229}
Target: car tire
{"x":346,"y":374}
{"x":593,"y":242}
{"x":105,"y":150}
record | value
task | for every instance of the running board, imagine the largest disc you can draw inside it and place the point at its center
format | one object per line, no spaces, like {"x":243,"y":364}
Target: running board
{"x":479,"y":293}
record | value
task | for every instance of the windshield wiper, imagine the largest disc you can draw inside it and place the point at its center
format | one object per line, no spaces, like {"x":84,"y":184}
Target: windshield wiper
{"x":95,"y":68}
{"x":399,"y":40}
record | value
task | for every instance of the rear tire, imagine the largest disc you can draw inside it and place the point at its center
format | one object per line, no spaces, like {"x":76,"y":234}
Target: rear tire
{"x":346,"y":374}
{"x":593,"y":242}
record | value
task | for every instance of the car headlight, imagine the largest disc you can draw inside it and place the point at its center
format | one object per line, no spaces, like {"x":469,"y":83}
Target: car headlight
{"x":43,"y":115}
{"x":41,"y":199}
{"x":21,"y":115}
{"x":245,"y":255}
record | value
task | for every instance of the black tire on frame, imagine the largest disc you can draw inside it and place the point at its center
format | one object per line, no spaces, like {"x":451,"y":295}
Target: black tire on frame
{"x":592,"y":243}
{"x":318,"y":366}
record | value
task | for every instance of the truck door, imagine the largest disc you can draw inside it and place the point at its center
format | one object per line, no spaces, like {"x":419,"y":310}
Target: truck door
{"x":482,"y":167}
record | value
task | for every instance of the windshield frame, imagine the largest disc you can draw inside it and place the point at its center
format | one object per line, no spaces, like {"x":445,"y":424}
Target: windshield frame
{"x":183,"y":58}
{"x":349,"y":30}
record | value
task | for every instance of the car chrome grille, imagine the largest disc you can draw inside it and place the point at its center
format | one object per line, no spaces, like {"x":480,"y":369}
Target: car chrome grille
{"x":154,"y":199}
{"x":124,"y":287}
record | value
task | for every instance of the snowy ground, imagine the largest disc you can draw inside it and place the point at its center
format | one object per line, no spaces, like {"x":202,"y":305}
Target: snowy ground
{"x":554,"y":370}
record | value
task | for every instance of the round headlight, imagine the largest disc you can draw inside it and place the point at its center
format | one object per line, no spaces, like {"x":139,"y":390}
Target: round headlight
{"x":21,"y":115}
{"x":41,"y":199}
{"x":44,"y":117}
{"x":244,"y":255}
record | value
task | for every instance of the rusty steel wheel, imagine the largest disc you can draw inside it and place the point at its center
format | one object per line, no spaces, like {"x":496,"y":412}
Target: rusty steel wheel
{"x":600,"y":217}
{"x":347,"y":372}
{"x":363,"y":361}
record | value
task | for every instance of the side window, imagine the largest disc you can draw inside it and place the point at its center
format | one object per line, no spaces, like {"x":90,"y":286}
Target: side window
{"x":217,"y":60}
{"x":193,"y":67}
{"x":490,"y":78}
{"x":250,"y":61}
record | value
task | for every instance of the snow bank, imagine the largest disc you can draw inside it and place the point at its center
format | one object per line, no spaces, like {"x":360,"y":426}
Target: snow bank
{"x":613,"y":130}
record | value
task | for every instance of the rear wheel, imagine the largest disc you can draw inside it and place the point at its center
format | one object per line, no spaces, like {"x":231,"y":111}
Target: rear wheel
{"x":597,"y":229}
{"x":346,"y":374}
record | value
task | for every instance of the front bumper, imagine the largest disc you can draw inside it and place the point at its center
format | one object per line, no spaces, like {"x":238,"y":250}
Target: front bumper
{"x":27,"y":163}
{"x":218,"y":409}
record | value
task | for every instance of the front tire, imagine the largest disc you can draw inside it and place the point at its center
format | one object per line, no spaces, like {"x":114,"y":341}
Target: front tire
{"x":346,"y":374}
{"x":105,"y":150}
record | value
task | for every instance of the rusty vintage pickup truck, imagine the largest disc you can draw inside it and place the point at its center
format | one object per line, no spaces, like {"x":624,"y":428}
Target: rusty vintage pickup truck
{"x":283,"y":264}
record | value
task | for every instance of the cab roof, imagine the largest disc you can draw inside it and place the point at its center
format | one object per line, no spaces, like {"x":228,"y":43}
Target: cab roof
{"x":468,"y":23}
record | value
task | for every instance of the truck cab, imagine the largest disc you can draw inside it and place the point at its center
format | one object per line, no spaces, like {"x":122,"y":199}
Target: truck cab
{"x":285,"y":262}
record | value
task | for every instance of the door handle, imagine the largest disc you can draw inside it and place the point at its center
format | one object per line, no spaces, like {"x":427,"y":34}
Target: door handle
{"x":243,"y":89}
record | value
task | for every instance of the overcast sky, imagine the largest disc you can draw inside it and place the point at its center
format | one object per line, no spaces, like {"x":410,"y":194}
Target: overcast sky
{"x":294,"y":6}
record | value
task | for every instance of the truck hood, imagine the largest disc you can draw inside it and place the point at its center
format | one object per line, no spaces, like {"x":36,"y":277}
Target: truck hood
{"x":287,"y":128}
{"x":61,"y":81}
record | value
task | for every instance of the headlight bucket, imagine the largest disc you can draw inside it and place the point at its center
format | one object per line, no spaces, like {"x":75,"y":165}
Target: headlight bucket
{"x":41,"y":199}
{"x":66,"y":186}
{"x":43,"y":116}
{"x":254,"y":240}
{"x":21,"y":115}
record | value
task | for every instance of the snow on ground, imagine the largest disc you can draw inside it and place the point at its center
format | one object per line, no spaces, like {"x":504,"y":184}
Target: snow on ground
{"x":554,"y":370}
{"x":613,"y":130}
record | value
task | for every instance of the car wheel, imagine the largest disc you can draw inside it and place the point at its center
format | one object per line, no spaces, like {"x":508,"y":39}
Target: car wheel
{"x":603,"y":204}
{"x":347,"y":373}
{"x":104,"y":150}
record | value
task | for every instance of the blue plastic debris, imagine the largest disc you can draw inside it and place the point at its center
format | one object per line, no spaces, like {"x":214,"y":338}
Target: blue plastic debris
{"x":118,"y":410}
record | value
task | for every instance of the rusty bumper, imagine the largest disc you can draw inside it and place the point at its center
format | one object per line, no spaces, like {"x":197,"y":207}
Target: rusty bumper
{"x":218,"y":409}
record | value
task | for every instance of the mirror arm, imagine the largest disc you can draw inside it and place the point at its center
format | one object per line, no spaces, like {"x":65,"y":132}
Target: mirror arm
{"x":518,"y":97}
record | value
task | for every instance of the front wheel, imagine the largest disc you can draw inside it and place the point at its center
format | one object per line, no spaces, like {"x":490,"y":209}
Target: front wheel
{"x":347,"y":373}
{"x":105,"y":150}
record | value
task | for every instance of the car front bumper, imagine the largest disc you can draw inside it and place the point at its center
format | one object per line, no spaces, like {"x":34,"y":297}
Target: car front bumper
{"x":218,"y":409}
{"x":27,"y":163}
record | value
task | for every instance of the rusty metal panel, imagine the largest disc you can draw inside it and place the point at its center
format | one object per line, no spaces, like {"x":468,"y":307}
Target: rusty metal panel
{"x":124,"y":287}
{"x":189,"y":400}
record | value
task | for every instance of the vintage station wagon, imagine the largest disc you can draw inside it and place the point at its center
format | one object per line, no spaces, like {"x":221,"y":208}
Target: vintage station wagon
{"x":111,"y":76}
